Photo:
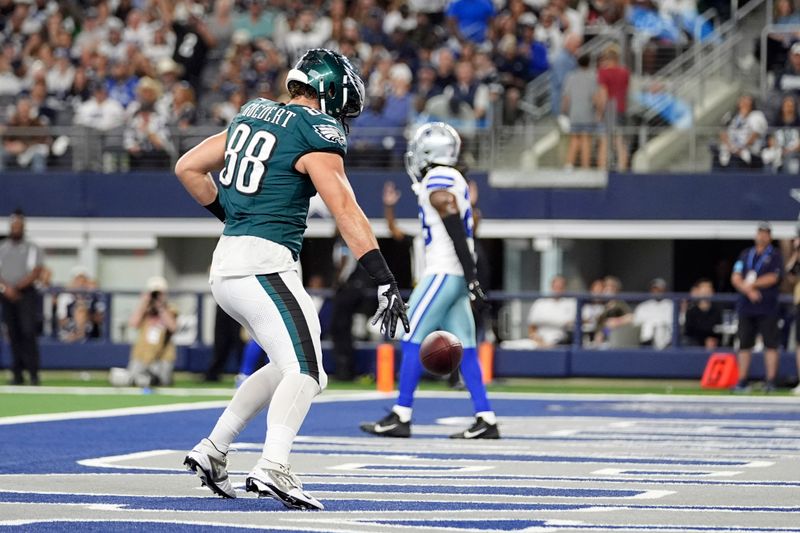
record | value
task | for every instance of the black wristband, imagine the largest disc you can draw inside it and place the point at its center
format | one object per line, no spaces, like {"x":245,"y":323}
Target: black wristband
{"x":375,"y":265}
{"x":216,"y":209}
{"x":455,"y":228}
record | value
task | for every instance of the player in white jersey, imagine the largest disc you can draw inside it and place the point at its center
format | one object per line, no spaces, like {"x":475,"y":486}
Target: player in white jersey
{"x":442,"y":298}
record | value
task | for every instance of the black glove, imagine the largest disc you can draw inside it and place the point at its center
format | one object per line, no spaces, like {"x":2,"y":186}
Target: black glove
{"x":390,"y":308}
{"x":476,"y":294}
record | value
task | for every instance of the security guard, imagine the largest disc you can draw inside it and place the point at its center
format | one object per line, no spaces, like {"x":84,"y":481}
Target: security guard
{"x":20,"y":267}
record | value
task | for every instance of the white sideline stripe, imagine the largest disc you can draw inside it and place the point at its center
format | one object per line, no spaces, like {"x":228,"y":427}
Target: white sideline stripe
{"x":121,"y":391}
{"x":105,"y":462}
{"x":202,"y":523}
{"x":652,"y":494}
{"x":641,"y":473}
{"x":109,"y":413}
{"x":407,"y":468}
{"x":345,"y":395}
{"x":165,"y":408}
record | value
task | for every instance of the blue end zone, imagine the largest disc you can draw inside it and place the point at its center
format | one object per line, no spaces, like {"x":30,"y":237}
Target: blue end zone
{"x":89,"y":438}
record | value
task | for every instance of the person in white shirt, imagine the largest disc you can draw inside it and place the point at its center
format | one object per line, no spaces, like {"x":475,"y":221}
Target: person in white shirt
{"x":551,"y":320}
{"x":741,"y":143}
{"x":100,"y":112}
{"x":654,"y":317}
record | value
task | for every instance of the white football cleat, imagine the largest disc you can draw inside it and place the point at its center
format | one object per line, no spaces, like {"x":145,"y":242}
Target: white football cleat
{"x":277,"y":481}
{"x":210,"y":465}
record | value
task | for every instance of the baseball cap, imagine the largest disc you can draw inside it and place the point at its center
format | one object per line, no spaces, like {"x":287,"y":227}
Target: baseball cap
{"x":765,"y":226}
{"x":156,"y":283}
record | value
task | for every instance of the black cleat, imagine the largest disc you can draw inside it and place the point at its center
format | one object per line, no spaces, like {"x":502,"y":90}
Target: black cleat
{"x":481,"y":429}
{"x":388,"y":426}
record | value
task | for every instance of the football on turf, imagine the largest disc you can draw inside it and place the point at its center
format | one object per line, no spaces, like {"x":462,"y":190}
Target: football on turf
{"x":440,"y":353}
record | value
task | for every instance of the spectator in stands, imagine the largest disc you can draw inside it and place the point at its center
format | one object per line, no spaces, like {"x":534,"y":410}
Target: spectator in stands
{"x":153,"y":353}
{"x":224,"y":112}
{"x":615,"y":78}
{"x":564,"y":61}
{"x":146,"y":137}
{"x":162,"y":44}
{"x":468,"y":20}
{"x":615,"y":312}
{"x":583,"y":100}
{"x":310,"y":31}
{"x":42,"y":105}
{"x":112,"y":46}
{"x":445,"y":63}
{"x":193,"y":38}
{"x":570,"y":19}
{"x":703,"y":316}
{"x":10,"y":84}
{"x":783,"y":145}
{"x":29,"y":149}
{"x":426,"y":87}
{"x":467,"y":97}
{"x":122,"y":83}
{"x":779,"y":43}
{"x":426,"y":35}
{"x":756,"y":277}
{"x":792,"y":272}
{"x":788,"y":80}
{"x":532,"y":49}
{"x":654,"y":317}
{"x":552,"y":319}
{"x":548,"y":31}
{"x":259,"y":20}
{"x":184,"y":110}
{"x":741,"y":143}
{"x":61,"y":75}
{"x":20,"y":268}
{"x":100,"y":112}
{"x":512,"y":65}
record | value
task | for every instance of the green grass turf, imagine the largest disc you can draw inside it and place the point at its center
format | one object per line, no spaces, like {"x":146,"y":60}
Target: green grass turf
{"x":12,"y":404}
{"x":20,"y":403}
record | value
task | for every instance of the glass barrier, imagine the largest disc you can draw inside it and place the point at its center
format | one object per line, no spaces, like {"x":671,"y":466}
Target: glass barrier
{"x":667,"y":141}
{"x":525,"y":320}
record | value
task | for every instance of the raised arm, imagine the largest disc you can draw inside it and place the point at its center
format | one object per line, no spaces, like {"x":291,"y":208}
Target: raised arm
{"x":193,"y":170}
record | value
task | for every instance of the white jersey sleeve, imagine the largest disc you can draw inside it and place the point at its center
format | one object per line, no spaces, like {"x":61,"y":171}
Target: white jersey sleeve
{"x":440,"y":254}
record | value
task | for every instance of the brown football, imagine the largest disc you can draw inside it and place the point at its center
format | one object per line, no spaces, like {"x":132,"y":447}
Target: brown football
{"x":440,"y":353}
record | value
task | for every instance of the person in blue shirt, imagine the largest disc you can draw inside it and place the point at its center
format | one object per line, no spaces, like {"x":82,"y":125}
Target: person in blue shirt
{"x":756,"y":277}
{"x":469,"y":19}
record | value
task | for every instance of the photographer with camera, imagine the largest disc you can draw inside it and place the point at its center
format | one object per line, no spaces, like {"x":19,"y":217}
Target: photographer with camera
{"x":153,"y":354}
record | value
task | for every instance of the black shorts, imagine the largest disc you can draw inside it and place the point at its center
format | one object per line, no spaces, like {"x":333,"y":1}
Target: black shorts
{"x":766,"y":325}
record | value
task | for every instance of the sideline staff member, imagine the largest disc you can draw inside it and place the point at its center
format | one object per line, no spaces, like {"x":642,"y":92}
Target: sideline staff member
{"x":20,"y":267}
{"x":756,"y":276}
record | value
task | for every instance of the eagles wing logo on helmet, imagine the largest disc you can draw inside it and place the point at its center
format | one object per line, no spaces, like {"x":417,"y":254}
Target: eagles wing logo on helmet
{"x":330,"y":133}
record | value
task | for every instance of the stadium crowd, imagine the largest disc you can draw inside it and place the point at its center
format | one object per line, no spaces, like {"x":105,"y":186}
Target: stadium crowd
{"x":138,"y":74}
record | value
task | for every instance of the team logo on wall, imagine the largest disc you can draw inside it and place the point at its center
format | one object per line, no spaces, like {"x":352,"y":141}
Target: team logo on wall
{"x":330,"y":133}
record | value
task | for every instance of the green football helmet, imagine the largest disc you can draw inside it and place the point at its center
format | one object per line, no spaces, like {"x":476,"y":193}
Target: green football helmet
{"x":340,"y":89}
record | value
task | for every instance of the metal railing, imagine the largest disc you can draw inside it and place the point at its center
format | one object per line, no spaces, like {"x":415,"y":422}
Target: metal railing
{"x":509,"y":315}
{"x":653,"y":113}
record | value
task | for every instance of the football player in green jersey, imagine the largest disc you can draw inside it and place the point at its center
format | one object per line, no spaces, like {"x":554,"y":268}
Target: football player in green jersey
{"x":273,"y":158}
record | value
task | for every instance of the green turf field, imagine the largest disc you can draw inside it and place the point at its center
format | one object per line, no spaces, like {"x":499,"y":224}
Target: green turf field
{"x":67,"y":391}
